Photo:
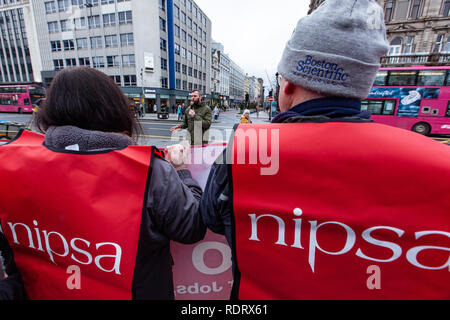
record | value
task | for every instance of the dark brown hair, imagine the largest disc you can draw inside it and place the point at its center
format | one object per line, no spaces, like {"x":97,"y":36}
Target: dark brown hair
{"x":88,"y":99}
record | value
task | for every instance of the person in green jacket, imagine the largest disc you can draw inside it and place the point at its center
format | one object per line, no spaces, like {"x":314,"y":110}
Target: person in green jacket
{"x":197,"y":120}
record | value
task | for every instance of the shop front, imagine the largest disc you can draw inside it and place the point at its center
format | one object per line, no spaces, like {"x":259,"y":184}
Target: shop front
{"x":150,"y":100}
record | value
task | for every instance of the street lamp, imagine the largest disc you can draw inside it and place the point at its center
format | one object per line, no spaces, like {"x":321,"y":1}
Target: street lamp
{"x":143,"y":90}
{"x":278,"y":90}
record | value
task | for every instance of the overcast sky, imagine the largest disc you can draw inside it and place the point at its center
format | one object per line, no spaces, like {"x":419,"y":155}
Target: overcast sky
{"x":254,"y":32}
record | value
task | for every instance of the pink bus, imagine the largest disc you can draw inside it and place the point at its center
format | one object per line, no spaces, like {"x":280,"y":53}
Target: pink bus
{"x":412,"y":98}
{"x":21,"y":98}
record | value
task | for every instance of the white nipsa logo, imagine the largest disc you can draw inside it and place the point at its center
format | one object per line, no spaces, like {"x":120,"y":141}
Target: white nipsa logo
{"x":411,"y":254}
{"x":75,"y":244}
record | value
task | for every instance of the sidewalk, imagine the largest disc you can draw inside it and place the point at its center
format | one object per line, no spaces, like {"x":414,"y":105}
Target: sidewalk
{"x":262,"y":118}
{"x":154,"y":116}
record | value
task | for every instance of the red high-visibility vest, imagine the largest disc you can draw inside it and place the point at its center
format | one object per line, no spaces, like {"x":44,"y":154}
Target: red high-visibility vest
{"x":72,"y":218}
{"x":340,"y":211}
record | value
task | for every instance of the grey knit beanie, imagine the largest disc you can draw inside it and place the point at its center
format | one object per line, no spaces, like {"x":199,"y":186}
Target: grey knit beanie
{"x":336,"y":50}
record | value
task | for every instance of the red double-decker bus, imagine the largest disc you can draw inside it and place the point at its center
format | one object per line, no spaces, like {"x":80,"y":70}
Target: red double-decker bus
{"x":413,"y":98}
{"x":20,"y":98}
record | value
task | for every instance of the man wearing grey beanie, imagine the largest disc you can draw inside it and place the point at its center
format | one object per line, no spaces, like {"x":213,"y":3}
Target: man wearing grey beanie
{"x":334,"y":52}
{"x":338,"y":176}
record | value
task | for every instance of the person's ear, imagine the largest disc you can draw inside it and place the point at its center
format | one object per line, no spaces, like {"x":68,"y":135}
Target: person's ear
{"x":289,"y":88}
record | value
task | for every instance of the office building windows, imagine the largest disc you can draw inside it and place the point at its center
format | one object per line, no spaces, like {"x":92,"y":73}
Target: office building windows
{"x":65,"y":25}
{"x":50,"y":7}
{"x":110,"y":41}
{"x":164,"y":83}
{"x":117,"y":80}
{"x":98,"y":62}
{"x":55,"y":45}
{"x":162,"y":24}
{"x":58,"y":64}
{"x":128,"y":60}
{"x":63,"y":5}
{"x":125,"y":17}
{"x":53,"y":27}
{"x":96,"y":42}
{"x":163,"y":44}
{"x":71,"y":62}
{"x":163,"y":64}
{"x":129,"y":80}
{"x":109,"y":20}
{"x":68,"y":45}
{"x":162,"y":5}
{"x":94,"y":22}
{"x":112,"y":61}
{"x":82,"y":43}
{"x":126,"y":39}
{"x":84,"y":62}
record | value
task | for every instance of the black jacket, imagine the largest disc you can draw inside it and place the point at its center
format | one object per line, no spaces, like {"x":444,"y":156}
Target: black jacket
{"x":12,"y":287}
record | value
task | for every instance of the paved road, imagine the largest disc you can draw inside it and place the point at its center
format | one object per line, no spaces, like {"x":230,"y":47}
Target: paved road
{"x":157,"y":132}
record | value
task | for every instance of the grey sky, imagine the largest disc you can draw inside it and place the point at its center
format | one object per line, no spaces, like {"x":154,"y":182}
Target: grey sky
{"x":254,"y":32}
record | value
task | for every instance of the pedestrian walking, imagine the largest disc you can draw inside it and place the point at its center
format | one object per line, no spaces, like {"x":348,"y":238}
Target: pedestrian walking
{"x":183,"y":111}
{"x":216,"y":113}
{"x":95,"y":192}
{"x":197,"y":120}
{"x":180,"y":117}
{"x":245,"y":118}
{"x":327,"y":171}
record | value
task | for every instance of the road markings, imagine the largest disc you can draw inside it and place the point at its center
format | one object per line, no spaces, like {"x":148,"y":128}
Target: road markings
{"x":175,"y":138}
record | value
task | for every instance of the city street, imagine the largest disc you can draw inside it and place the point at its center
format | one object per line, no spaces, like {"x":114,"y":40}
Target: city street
{"x":157,"y":132}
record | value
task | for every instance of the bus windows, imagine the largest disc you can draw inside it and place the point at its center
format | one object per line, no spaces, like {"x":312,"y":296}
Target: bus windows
{"x":379,"y":107}
{"x":36,"y":91}
{"x":402,"y":78}
{"x":13,"y":90}
{"x":6,"y":101}
{"x":431,"y":78}
{"x":381,"y":78}
{"x":389,"y":107}
{"x":448,"y":110}
{"x":374,"y":106}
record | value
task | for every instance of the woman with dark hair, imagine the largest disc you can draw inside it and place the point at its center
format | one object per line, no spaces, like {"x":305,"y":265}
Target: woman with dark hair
{"x":87,"y":99}
{"x":94,"y":198}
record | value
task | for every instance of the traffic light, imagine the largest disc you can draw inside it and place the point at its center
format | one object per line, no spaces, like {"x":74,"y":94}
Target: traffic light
{"x":247,"y":97}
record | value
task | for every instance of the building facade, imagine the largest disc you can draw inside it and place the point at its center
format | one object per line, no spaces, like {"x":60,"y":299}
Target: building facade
{"x":237,"y":80}
{"x":418,"y":31}
{"x":158,"y":51}
{"x":224,"y":73}
{"x":215,"y":76}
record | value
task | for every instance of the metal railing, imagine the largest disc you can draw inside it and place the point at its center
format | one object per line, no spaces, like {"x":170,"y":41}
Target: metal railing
{"x":8,"y":130}
{"x":430,"y":59}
